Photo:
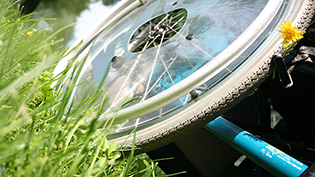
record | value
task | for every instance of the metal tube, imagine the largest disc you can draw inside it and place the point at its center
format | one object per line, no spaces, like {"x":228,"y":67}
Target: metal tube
{"x":262,"y":153}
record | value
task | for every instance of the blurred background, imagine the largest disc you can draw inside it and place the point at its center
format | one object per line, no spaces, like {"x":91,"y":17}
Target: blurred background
{"x":84,"y":12}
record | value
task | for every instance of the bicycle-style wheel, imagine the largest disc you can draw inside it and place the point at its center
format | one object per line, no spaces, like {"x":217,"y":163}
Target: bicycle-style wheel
{"x":187,"y":61}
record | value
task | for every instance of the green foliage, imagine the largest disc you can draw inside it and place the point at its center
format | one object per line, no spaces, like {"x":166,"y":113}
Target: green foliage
{"x":41,"y":133}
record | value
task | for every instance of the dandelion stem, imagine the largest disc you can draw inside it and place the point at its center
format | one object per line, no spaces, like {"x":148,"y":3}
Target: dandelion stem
{"x":288,"y":48}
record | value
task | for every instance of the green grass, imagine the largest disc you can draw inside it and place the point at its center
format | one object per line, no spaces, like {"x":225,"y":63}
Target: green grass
{"x":40,"y":134}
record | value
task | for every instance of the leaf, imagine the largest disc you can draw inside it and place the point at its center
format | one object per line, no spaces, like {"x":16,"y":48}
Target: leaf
{"x":112,"y":147}
{"x":130,"y":157}
{"x":129,"y":101}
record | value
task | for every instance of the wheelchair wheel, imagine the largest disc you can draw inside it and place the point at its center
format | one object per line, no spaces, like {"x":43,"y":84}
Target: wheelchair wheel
{"x":188,"y":61}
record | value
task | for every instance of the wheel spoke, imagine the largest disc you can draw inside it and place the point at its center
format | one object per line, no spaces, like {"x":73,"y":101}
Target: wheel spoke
{"x":170,"y":76}
{"x":164,"y":72}
{"x":182,"y":18}
{"x":189,"y":61}
{"x":115,"y":102}
{"x":204,"y":52}
{"x":154,"y":63}
{"x":128,"y":76}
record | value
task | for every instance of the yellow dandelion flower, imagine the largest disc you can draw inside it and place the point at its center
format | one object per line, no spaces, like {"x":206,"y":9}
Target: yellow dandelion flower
{"x":289,"y":34}
{"x":30,"y":33}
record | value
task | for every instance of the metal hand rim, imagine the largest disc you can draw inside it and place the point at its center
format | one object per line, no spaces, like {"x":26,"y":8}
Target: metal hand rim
{"x":194,"y":80}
